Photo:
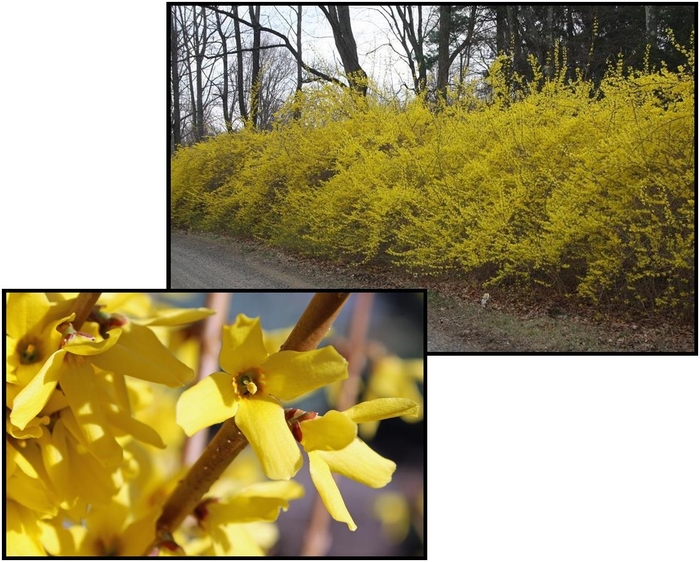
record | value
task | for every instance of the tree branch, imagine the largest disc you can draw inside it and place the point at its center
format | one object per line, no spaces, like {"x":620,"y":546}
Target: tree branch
{"x":284,"y":38}
{"x":83,"y":306}
{"x":312,"y":326}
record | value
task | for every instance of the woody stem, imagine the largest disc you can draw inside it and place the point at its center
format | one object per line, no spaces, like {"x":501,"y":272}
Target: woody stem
{"x":83,"y":306}
{"x":315,"y":322}
{"x":312,"y":326}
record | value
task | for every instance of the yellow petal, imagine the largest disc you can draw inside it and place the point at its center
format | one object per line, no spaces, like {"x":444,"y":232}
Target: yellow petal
{"x":94,"y":482}
{"x":234,"y":540}
{"x":135,"y":428}
{"x":139,"y":353}
{"x":286,"y":489}
{"x":242,"y":509}
{"x":82,"y":345}
{"x":22,"y":532}
{"x":289,"y":374}
{"x":382,"y":408}
{"x":136,"y":538}
{"x":212,"y":400}
{"x":78,"y":384}
{"x":30,"y":493}
{"x":333,"y":430}
{"x":54,"y":452}
{"x":328,"y":490}
{"x":25,"y":312}
{"x":360,"y":463}
{"x":176,"y":316}
{"x":261,"y":419}
{"x":32,"y":398}
{"x":242,"y":345}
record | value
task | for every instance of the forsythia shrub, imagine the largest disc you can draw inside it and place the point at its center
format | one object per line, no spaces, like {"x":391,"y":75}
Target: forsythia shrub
{"x":586,"y":189}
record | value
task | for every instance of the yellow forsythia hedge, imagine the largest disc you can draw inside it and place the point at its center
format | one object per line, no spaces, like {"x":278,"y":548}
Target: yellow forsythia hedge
{"x":587,"y":190}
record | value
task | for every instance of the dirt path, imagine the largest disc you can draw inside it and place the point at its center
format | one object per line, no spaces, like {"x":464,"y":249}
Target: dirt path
{"x":456,"y":323}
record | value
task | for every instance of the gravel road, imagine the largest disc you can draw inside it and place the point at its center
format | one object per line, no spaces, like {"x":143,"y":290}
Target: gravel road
{"x":210,"y":261}
{"x":214,"y":262}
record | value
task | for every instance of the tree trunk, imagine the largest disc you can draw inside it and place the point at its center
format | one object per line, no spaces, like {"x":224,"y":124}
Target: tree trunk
{"x":339,"y":18}
{"x":240,"y":85}
{"x":651,"y":20}
{"x":501,"y":30}
{"x":443,"y":51}
{"x":175,"y":124}
{"x":225,"y":76}
{"x":300,"y":68}
{"x":255,"y":75}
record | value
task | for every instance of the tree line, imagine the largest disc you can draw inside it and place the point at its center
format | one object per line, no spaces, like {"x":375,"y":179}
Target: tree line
{"x":234,"y":66}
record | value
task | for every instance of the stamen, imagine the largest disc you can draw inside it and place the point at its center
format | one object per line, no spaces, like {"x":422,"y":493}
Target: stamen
{"x":247,"y":383}
{"x":29,"y":354}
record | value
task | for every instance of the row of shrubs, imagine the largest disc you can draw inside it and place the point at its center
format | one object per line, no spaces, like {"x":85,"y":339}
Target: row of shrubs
{"x":587,"y":190}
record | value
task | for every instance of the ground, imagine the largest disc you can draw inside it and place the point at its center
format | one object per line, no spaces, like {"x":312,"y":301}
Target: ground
{"x":457,"y":321}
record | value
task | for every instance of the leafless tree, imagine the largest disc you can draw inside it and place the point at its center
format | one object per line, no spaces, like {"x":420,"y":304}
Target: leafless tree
{"x":175,"y":125}
{"x":410,"y":25}
{"x":339,"y":18}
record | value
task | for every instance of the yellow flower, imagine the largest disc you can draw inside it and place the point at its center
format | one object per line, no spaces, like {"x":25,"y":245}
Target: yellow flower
{"x":110,"y":529}
{"x":250,"y":389}
{"x":52,"y":365}
{"x":392,"y":376}
{"x":227,"y":520}
{"x":332,"y":446}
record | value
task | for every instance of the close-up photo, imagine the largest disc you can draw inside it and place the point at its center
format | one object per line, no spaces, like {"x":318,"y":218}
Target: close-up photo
{"x":215,"y":424}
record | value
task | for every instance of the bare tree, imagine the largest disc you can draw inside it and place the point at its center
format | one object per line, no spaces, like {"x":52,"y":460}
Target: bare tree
{"x":255,"y":76}
{"x":339,"y":18}
{"x":175,"y":125}
{"x":285,"y":42}
{"x":225,"y":76}
{"x":410,"y":29}
{"x":445,"y":58}
{"x":239,"y":68}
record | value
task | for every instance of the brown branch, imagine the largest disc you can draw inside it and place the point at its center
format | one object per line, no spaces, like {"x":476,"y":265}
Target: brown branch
{"x":313,"y":324}
{"x":222,"y":449}
{"x":83,"y":306}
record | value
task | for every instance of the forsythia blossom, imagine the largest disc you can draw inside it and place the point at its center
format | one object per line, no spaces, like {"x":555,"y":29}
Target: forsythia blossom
{"x":332,"y":446}
{"x":250,"y":390}
{"x":70,"y":414}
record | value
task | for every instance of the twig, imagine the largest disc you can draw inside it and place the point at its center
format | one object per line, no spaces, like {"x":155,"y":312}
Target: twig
{"x":313,"y":324}
{"x":83,"y":306}
{"x":218,"y":455}
{"x":315,"y":321}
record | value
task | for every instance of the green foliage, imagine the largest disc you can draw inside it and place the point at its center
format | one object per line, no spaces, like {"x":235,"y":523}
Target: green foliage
{"x":588,"y":190}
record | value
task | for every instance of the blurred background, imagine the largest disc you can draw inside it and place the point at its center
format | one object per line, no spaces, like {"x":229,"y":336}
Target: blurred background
{"x":384,"y":333}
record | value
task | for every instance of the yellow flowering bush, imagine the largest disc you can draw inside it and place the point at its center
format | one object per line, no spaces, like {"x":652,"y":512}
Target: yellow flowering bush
{"x":97,"y":417}
{"x":584,"y":188}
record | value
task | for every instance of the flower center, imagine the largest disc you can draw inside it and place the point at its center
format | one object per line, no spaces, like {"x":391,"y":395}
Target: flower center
{"x":29,"y":353}
{"x":248,"y":382}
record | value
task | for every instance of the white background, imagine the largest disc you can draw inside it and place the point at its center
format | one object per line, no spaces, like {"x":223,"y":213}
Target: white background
{"x":563,"y":458}
{"x":529,"y":458}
